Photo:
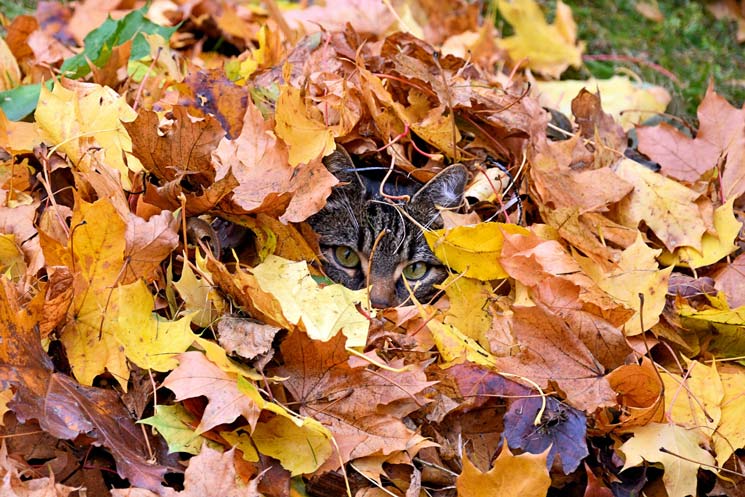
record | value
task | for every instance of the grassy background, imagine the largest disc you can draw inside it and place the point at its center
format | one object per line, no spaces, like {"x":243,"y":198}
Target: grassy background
{"x":689,"y":42}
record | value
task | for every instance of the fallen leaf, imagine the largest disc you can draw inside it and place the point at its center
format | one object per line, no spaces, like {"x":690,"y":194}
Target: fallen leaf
{"x":676,"y":448}
{"x":363,"y":409}
{"x":560,"y":431}
{"x":196,"y":376}
{"x":300,"y":127}
{"x":500,"y":480}
{"x":149,"y":341}
{"x":473,"y":250}
{"x":94,"y":124}
{"x":323,"y":312}
{"x":666,"y":206}
{"x":547,"y":48}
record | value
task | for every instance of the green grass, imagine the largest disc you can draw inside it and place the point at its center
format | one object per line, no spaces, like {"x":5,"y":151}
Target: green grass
{"x":689,"y":42}
{"x":13,"y":8}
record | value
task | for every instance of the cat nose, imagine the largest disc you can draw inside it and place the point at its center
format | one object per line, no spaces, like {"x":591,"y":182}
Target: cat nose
{"x":382,"y":297}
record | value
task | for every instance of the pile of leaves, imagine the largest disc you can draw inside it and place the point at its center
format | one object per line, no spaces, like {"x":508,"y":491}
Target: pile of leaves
{"x":588,"y":341}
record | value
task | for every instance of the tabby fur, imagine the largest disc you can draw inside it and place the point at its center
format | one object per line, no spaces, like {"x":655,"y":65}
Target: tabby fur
{"x":385,"y":235}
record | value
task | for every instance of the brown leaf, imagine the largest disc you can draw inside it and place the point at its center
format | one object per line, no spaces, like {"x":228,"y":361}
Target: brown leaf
{"x":178,"y":147}
{"x":63,"y":407}
{"x":148,"y":244}
{"x":196,"y":376}
{"x":216,"y":96}
{"x":550,"y":351}
{"x":362,"y":408}
{"x":731,"y":280}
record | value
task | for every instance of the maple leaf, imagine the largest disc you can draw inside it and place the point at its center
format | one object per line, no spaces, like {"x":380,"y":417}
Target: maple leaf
{"x":148,"y":340}
{"x":714,"y":247}
{"x":637,"y":272}
{"x":307,"y":137}
{"x":14,"y":486}
{"x":561,"y":431}
{"x":176,"y":425}
{"x":730,"y":280}
{"x":94,"y":123}
{"x":63,"y":407}
{"x":548,"y":48}
{"x":676,"y":448}
{"x":719,"y":137}
{"x":730,"y":434}
{"x":640,"y":391}
{"x":473,"y":250}
{"x":266,"y":182}
{"x":550,"y":351}
{"x":362,"y":408}
{"x":629,"y":102}
{"x":666,"y":206}
{"x":95,"y":255}
{"x":500,"y":480}
{"x":195,"y":376}
{"x":211,"y":472}
{"x":323,"y":312}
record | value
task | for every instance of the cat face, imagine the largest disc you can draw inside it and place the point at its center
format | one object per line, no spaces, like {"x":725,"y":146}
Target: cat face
{"x":367,"y":240}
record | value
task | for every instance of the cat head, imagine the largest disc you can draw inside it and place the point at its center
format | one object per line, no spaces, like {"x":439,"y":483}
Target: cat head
{"x":369,"y":239}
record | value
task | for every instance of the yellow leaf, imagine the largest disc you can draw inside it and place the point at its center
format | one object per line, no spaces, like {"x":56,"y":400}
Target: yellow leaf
{"x":454,"y":346}
{"x":149,"y":341}
{"x":547,"y":48}
{"x":525,"y":475}
{"x":665,"y":205}
{"x":713,"y":247}
{"x":199,"y":297}
{"x":694,"y":401}
{"x":5,"y":397}
{"x":301,"y":444}
{"x":96,"y":252}
{"x":323,"y":312}
{"x":92,"y":121}
{"x":239,"y":439}
{"x":304,"y":132}
{"x":637,"y":271}
{"x":219,"y":357}
{"x":681,"y":459}
{"x":10,"y":73}
{"x":469,"y":299}
{"x":627,"y":101}
{"x":730,"y":434}
{"x":473,"y":250}
{"x":12,"y":263}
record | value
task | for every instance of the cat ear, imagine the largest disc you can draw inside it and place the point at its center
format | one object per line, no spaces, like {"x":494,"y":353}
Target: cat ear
{"x":444,"y":190}
{"x":340,"y":164}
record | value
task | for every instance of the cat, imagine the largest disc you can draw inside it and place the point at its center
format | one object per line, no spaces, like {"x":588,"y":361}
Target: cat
{"x":367,"y":239}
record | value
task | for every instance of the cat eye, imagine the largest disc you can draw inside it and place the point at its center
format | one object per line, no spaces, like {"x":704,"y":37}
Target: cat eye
{"x":415,"y":271}
{"x":346,"y":256}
